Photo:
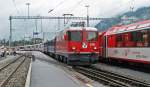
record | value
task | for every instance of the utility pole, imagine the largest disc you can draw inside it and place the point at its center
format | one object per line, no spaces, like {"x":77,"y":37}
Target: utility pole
{"x":36,"y":32}
{"x":42,"y":32}
{"x":28,"y":4}
{"x":132,"y":10}
{"x":132,"y":18}
{"x":43,"y":36}
{"x":87,"y":6}
{"x":10,"y":37}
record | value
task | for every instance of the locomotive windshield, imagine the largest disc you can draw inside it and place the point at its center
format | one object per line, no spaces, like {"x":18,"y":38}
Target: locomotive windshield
{"x":74,"y":35}
{"x":92,"y":36}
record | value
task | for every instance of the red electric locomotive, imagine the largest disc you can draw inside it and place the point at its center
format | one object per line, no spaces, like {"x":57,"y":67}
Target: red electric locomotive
{"x":76,"y":46}
{"x":128,"y":43}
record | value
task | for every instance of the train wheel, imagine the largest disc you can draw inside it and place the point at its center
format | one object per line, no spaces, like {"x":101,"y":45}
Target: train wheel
{"x":61,"y":58}
{"x":65,"y":60}
{"x":56,"y":57}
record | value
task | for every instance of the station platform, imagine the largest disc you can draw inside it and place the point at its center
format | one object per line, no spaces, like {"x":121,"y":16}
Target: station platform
{"x":46,"y":72}
{"x":44,"y":75}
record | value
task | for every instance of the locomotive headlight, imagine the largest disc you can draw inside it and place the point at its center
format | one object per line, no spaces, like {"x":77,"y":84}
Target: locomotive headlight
{"x":95,"y":48}
{"x":73,"y":48}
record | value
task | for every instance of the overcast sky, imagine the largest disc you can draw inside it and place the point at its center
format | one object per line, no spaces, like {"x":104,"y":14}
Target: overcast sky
{"x":98,"y":8}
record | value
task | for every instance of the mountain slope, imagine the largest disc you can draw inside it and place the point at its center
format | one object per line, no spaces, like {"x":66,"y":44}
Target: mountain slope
{"x":140,"y":14}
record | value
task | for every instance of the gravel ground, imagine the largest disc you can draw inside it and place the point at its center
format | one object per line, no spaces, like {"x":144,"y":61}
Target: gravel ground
{"x":9,"y":76}
{"x":19,"y":78}
{"x":6,"y":72}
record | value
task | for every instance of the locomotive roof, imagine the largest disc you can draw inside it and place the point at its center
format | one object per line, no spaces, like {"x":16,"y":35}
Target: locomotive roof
{"x":81,"y":28}
{"x":128,"y":28}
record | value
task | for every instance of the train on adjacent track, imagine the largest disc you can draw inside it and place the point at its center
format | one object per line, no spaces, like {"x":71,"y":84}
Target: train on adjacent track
{"x":127,"y":43}
{"x":85,"y":45}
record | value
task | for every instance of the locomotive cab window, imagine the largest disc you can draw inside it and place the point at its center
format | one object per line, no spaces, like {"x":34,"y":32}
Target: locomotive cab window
{"x":75,"y":35}
{"x":92,"y":36}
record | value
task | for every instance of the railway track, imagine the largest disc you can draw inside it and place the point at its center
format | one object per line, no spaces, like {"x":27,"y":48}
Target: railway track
{"x":13,"y":72}
{"x":111,"y":79}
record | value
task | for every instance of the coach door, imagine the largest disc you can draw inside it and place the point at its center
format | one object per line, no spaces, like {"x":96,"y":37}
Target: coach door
{"x":54,"y":44}
{"x":104,"y":47}
{"x":148,"y":38}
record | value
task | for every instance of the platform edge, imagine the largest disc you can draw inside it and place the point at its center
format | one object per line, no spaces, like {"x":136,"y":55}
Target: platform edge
{"x":27,"y":84}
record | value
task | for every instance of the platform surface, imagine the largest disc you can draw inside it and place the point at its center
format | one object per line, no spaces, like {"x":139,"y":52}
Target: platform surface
{"x":45,"y":75}
{"x":49,"y":74}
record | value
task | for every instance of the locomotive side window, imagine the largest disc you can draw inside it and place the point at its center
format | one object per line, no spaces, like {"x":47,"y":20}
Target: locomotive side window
{"x":75,"y":35}
{"x":92,"y":36}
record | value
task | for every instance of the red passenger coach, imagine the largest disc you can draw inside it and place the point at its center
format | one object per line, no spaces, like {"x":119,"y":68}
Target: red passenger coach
{"x":128,"y":43}
{"x":77,"y":45}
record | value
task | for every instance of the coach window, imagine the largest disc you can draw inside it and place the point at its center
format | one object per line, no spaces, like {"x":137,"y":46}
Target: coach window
{"x":119,"y":38}
{"x":134,"y":36}
{"x":146,"y":38}
{"x":140,"y":36}
{"x":137,"y":36}
{"x":126,"y":37}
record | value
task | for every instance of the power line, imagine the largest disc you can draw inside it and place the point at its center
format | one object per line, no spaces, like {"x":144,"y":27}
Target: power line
{"x":73,"y":8}
{"x":77,"y":4}
{"x":16,"y":7}
{"x":59,"y":4}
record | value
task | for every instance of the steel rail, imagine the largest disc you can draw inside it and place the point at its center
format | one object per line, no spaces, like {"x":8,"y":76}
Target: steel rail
{"x":124,"y":78}
{"x":101,"y":78}
{"x":110,"y":78}
{"x":16,"y":68}
{"x":3,"y":67}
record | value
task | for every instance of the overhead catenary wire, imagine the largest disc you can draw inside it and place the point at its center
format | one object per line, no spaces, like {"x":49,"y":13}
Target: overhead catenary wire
{"x":17,"y":10}
{"x":74,"y":7}
{"x":57,"y":6}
